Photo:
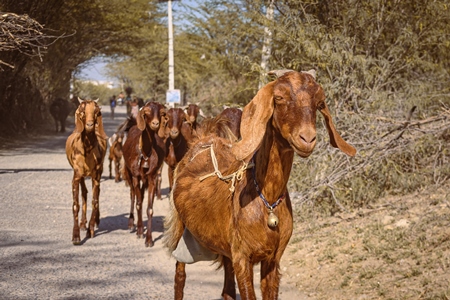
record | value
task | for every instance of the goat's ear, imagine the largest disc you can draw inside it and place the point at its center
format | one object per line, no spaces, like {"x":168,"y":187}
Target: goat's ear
{"x":100,"y":131}
{"x":335,"y":139}
{"x":163,"y":129}
{"x":79,"y":125}
{"x":140,"y":120}
{"x":254,"y":120}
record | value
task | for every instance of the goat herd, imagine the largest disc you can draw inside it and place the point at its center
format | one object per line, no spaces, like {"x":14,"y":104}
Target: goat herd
{"x":228,"y":176}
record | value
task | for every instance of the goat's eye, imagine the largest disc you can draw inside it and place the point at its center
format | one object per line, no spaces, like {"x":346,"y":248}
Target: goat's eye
{"x":278,"y":99}
{"x":321,"y":105}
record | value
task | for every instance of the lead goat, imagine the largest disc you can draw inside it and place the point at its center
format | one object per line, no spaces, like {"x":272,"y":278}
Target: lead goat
{"x":232,"y":197}
{"x":143,"y":153}
{"x":85,"y":150}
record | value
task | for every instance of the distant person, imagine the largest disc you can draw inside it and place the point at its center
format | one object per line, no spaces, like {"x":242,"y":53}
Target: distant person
{"x":112,"y":104}
{"x":120,"y":99}
{"x":128,"y":99}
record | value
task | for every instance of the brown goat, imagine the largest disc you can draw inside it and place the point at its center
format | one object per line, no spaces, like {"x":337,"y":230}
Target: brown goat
{"x":232,"y":116}
{"x":115,"y":155}
{"x":232,"y":197}
{"x":193,"y":111}
{"x":86,"y":149}
{"x":143,"y":153}
{"x":176,"y":143}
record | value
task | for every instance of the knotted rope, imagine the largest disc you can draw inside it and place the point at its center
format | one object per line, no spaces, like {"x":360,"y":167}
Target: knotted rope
{"x":238,"y":175}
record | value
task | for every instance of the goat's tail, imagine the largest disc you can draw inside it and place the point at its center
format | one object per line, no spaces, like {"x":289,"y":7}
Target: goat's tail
{"x":173,"y":226}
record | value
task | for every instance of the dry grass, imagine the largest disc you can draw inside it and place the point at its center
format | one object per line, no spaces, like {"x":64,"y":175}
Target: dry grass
{"x":398,"y":249}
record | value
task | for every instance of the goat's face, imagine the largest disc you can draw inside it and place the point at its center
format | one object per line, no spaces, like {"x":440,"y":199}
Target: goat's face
{"x":296,"y":99}
{"x":153,"y":115}
{"x":175,"y":119}
{"x":192,"y":111}
{"x":290,"y":104}
{"x":88,"y":113}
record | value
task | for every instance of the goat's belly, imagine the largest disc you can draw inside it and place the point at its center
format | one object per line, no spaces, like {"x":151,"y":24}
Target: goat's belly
{"x":205,"y":209}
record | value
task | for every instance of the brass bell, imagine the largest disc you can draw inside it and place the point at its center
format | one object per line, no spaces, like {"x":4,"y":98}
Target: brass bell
{"x":272,"y":220}
{"x":146,"y":164}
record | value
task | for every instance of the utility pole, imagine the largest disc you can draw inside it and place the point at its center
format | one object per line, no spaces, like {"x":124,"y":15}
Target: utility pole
{"x":172,"y":96}
{"x":267,"y":48}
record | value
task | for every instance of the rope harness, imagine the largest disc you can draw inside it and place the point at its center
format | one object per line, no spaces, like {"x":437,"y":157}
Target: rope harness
{"x":238,"y":175}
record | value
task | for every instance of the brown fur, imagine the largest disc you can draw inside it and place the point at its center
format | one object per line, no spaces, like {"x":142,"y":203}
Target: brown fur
{"x":144,"y":144}
{"x":86,"y":149}
{"x":277,"y":123}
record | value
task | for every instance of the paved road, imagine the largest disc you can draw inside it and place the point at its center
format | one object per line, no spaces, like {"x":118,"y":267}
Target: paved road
{"x":37,"y":258}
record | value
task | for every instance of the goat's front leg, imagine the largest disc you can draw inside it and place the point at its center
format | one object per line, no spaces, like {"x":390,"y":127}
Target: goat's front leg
{"x":229,"y":284}
{"x":180,"y":280}
{"x":138,"y":195}
{"x":84,"y":193}
{"x":95,"y":215}
{"x":270,"y":280}
{"x":158,"y":182}
{"x":244,"y":276}
{"x":151,"y":196}
{"x":75,"y":210}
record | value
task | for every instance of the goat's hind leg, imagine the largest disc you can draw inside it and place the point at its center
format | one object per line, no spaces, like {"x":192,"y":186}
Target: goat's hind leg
{"x":229,"y":284}
{"x":179,"y":280}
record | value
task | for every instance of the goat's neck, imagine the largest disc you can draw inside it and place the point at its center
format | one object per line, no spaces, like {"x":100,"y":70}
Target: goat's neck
{"x":89,"y":140}
{"x":273,"y":165}
{"x":146,"y":141}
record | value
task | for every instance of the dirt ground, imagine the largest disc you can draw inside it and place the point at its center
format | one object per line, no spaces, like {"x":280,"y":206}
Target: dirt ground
{"x":397,"y":249}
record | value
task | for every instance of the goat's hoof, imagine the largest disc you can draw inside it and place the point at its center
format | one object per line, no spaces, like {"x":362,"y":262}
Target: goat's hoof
{"x":149,"y":244}
{"x":76,"y":241}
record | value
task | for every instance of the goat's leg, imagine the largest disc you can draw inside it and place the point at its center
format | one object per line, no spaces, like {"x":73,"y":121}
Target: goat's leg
{"x":270,"y":280}
{"x":170,"y":173}
{"x":139,"y":200}
{"x":95,"y":215}
{"x":110,"y":169}
{"x":244,"y":276}
{"x":151,"y":196}
{"x":229,"y":284}
{"x":180,"y":280}
{"x":84,"y":193}
{"x":158,"y":181}
{"x":117,"y":169}
{"x":75,"y":210}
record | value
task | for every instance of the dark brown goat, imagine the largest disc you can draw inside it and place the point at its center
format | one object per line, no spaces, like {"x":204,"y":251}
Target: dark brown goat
{"x":232,"y":117}
{"x":176,"y":143}
{"x":115,"y":148}
{"x":143,"y":153}
{"x":60,"y":110}
{"x":86,"y":149}
{"x":115,"y":155}
{"x":193,"y":111}
{"x":232,"y":197}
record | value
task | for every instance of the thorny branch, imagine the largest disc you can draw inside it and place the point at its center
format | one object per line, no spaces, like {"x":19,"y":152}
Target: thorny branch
{"x":389,"y":142}
{"x":24,"y":34}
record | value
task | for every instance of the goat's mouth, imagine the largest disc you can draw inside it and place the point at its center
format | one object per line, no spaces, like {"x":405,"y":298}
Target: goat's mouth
{"x":301,"y":149}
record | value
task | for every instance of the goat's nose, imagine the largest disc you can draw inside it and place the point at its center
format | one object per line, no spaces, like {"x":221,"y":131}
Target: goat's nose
{"x":155,"y":124}
{"x":308,"y":137}
{"x":174,"y":132}
{"x":89,"y":125}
